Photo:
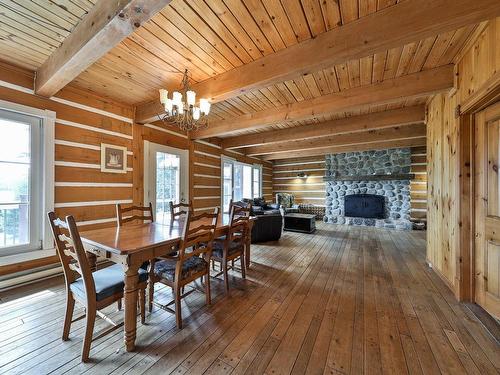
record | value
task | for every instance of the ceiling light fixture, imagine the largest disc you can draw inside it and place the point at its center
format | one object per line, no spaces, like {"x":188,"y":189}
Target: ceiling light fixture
{"x":181,"y":109}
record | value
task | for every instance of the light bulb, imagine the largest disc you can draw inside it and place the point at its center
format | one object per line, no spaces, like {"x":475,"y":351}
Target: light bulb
{"x":204,"y":106}
{"x":163,"y":96}
{"x":190,"y":97}
{"x":177,"y":98}
{"x":168,"y":106}
{"x":196,"y":113}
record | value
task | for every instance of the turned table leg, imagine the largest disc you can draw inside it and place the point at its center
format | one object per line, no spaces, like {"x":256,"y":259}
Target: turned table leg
{"x":130,"y":296}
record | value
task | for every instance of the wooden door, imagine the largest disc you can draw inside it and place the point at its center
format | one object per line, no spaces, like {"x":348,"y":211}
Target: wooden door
{"x":487,"y":209}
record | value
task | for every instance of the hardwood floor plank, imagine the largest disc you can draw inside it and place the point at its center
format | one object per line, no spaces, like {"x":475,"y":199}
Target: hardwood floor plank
{"x":342,"y":300}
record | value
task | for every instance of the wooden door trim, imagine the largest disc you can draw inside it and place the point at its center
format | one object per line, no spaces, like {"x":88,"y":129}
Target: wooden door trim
{"x":486,"y":95}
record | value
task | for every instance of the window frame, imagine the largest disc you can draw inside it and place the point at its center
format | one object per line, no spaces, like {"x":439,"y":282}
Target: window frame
{"x":234,"y":162}
{"x":45,"y":174}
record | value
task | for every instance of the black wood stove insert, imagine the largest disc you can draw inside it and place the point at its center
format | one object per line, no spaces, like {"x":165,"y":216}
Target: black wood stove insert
{"x":369,"y":206}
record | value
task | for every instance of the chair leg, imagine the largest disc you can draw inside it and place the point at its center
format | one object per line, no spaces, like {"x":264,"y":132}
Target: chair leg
{"x":89,"y":330}
{"x":226,"y":276}
{"x":119,"y":304}
{"x":242,"y":262}
{"x":70,"y":307}
{"x":142,"y":304}
{"x":178,"y":316}
{"x":208,"y":296}
{"x":151,"y":292}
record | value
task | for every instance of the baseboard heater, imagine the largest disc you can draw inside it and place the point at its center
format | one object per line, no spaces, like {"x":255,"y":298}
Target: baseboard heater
{"x":36,"y":275}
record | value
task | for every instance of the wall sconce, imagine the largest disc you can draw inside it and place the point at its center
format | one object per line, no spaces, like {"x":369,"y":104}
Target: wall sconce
{"x":301,"y":175}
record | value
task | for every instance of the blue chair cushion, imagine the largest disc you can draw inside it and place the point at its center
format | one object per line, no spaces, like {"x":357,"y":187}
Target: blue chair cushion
{"x":108,"y":281}
{"x":218,"y":248}
{"x":165,"y":269}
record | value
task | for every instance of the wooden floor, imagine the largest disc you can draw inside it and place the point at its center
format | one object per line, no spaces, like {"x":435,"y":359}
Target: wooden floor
{"x":343,"y":300}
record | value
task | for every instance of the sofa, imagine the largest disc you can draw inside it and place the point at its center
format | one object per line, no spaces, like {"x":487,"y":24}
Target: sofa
{"x":259,"y":206}
{"x":268,"y":225}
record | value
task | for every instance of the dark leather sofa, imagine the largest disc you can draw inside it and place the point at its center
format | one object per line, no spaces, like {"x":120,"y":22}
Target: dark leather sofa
{"x":269,"y":221}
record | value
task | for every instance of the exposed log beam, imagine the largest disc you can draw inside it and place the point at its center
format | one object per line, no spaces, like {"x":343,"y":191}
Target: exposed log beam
{"x":392,"y":90}
{"x":370,"y":136}
{"x":394,"y":26}
{"x":413,"y":142}
{"x":371,"y":121}
{"x":106,"y":25}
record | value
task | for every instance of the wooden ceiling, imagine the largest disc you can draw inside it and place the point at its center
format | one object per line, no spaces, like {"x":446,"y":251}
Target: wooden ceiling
{"x":210,"y":37}
{"x":31,"y":30}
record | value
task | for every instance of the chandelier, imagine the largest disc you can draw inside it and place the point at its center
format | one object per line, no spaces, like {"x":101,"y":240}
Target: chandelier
{"x":181,"y":109}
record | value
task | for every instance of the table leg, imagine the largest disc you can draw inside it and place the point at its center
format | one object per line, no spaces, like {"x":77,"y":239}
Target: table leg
{"x":130,"y":296}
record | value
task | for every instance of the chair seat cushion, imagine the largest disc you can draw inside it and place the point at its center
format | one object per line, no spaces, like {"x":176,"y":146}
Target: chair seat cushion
{"x":108,"y":281}
{"x":218,"y":248}
{"x":165,"y":269}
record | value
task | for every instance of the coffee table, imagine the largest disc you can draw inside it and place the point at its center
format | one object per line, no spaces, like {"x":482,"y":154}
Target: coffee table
{"x":305,"y":223}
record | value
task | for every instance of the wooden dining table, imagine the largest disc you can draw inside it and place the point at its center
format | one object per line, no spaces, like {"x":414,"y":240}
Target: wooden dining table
{"x":131,"y":246}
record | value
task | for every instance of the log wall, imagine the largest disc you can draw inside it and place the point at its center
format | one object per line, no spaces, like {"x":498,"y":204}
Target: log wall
{"x":476,"y":65}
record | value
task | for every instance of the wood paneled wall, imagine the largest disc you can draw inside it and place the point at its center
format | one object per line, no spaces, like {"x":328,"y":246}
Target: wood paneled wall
{"x":418,"y":186}
{"x":83,"y":121}
{"x":477,"y":64}
{"x":310,"y":190}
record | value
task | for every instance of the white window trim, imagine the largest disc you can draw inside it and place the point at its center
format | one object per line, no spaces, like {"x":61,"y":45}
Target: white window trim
{"x":48,"y":124}
{"x":234,"y":161}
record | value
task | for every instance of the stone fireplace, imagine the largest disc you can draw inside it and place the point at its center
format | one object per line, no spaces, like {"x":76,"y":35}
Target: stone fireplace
{"x":364,"y":176}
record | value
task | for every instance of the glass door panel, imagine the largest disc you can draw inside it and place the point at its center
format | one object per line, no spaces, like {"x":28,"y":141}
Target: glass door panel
{"x":227,"y":188}
{"x":167,"y":184}
{"x":166,"y":177}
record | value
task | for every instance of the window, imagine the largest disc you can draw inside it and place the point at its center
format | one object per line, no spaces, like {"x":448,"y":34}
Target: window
{"x":256,"y":181}
{"x":239,"y":181}
{"x":26,"y":178}
{"x":20,"y":168}
{"x":227,"y":186}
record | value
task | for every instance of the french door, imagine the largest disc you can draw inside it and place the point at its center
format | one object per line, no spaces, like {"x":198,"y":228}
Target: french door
{"x":487,"y":210}
{"x":166,"y":178}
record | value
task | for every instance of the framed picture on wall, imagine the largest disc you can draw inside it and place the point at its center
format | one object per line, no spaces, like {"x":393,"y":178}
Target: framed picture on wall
{"x":113,"y":158}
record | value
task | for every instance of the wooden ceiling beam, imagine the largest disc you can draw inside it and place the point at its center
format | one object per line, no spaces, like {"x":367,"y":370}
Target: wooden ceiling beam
{"x":413,"y":142}
{"x":106,"y":25}
{"x":371,"y":136}
{"x":371,"y":121}
{"x":414,"y":85}
{"x":394,"y":26}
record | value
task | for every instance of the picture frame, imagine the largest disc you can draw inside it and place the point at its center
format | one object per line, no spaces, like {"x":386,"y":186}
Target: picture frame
{"x":113,"y":158}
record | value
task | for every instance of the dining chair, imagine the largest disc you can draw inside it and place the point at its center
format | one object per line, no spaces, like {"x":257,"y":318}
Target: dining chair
{"x":138,"y":213}
{"x":179,"y":209}
{"x":191,"y":262}
{"x":232,"y":245}
{"x":94,"y":290}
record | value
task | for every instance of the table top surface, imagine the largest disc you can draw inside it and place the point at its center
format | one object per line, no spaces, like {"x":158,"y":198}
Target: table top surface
{"x":137,"y":237}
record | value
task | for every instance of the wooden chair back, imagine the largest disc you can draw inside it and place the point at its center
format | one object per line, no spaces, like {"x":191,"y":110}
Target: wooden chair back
{"x":239,"y":219}
{"x":179,"y":209}
{"x":73,"y":257}
{"x":138,"y":213}
{"x":198,"y":234}
{"x":239,"y":210}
